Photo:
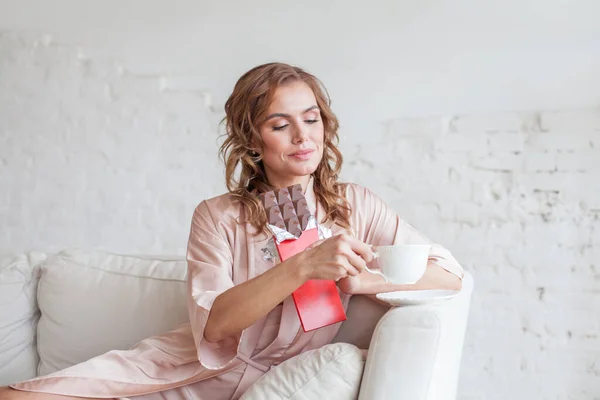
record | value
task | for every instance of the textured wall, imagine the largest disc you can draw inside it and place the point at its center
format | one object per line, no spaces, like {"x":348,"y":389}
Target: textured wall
{"x":95,"y":156}
{"x":380,"y":60}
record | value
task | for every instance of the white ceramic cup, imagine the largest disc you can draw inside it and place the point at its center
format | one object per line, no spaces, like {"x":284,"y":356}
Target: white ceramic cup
{"x":401,"y":263}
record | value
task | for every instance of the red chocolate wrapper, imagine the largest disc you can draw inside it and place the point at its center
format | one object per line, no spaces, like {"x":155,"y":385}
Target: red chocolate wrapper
{"x":317,"y":301}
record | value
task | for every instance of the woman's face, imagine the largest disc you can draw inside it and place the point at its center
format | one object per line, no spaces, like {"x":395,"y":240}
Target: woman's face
{"x":292,"y":136}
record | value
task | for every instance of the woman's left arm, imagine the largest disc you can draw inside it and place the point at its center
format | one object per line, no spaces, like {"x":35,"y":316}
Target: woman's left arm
{"x":380,"y":225}
{"x":435,"y":277}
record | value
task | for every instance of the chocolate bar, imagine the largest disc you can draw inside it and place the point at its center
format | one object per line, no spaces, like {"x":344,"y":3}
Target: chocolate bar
{"x":287,"y":209}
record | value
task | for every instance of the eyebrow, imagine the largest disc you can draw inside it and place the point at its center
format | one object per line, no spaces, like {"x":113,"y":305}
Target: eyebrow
{"x":277,"y":115}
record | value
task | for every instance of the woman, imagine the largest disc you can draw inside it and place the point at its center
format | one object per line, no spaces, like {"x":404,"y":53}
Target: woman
{"x":280,"y":132}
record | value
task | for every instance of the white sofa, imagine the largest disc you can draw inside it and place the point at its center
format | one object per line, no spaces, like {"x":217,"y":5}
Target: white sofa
{"x":60,"y":309}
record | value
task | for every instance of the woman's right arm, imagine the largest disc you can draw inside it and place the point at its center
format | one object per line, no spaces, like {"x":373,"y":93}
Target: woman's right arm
{"x":242,"y":305}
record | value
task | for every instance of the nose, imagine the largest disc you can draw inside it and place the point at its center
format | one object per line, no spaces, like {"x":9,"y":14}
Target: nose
{"x":300,"y":134}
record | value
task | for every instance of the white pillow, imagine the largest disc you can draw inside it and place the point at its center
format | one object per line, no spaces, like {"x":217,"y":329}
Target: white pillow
{"x":18,"y":316}
{"x":331,"y":372}
{"x":93,"y":302}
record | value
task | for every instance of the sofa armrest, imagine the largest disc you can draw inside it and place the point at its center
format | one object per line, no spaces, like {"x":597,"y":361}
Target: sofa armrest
{"x":415,"y":351}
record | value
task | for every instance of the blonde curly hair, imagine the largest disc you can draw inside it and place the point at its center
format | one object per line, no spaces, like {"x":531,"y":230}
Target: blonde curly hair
{"x":245,"y":111}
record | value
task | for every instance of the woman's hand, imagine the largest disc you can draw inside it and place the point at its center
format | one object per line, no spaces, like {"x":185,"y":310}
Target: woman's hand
{"x":350,"y":284}
{"x":335,"y":258}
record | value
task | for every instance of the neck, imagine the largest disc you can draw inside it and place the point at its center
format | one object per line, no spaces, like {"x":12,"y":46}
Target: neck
{"x":281,"y":182}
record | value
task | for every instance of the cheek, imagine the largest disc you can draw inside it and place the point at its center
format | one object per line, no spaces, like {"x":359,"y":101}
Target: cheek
{"x":271,"y":143}
{"x":274,"y":149}
{"x":319,"y":136}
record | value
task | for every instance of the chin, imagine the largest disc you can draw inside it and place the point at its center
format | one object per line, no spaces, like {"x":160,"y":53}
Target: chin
{"x":306,"y":169}
{"x":302,"y":172}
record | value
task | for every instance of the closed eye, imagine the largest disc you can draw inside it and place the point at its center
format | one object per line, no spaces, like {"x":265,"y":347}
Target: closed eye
{"x":281,"y":127}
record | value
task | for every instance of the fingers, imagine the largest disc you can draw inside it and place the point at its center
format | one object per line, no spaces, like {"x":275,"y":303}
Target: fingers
{"x":341,"y":273}
{"x":349,"y":266}
{"x":350,"y":256}
{"x":362,"y":249}
{"x":357,"y":262}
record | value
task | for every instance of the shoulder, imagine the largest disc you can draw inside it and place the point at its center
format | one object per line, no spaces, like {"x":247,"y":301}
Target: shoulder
{"x":370,"y":217}
{"x":358,"y":195}
{"x":364,"y":204}
{"x":220,"y":209}
{"x":353,"y":189}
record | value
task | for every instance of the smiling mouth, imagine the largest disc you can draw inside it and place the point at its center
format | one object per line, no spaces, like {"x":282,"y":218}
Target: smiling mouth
{"x":302,"y":155}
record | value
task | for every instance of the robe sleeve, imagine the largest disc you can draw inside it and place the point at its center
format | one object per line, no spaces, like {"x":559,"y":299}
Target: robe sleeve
{"x":209,"y":264}
{"x":383,"y":226}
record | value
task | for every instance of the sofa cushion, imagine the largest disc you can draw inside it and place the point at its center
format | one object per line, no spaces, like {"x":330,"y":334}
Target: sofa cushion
{"x":332,"y":371}
{"x":92,"y":302}
{"x":18,"y":316}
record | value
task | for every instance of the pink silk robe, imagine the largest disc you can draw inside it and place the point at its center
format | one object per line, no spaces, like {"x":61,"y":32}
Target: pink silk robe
{"x":181,"y":364}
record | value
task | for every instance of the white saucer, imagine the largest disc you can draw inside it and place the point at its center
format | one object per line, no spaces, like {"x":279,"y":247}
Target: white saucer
{"x":412,"y":297}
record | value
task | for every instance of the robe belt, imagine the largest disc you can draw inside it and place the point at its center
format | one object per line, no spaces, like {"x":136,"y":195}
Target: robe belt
{"x":253,"y":363}
{"x":251,"y":374}
{"x":288,"y":328}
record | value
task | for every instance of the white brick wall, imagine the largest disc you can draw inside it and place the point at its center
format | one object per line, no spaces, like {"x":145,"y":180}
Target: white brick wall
{"x":493,"y":188}
{"x":92,"y":155}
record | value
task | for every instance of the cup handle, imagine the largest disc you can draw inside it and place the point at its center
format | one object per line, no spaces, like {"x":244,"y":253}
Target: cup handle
{"x":371,"y":271}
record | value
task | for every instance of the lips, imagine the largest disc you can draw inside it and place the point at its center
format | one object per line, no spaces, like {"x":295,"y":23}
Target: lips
{"x":302,"y":154}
